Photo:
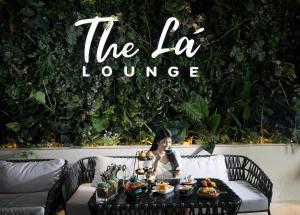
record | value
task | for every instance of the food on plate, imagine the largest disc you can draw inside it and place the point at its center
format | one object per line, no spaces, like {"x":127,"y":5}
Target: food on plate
{"x":142,"y":155}
{"x":133,"y":187}
{"x":143,"y":183}
{"x":190,"y":178}
{"x":163,"y":187}
{"x":186,"y":190}
{"x":149,"y":155}
{"x":204,"y":183}
{"x":213,"y":184}
{"x":208,"y":190}
{"x":185,"y":187}
{"x":140,"y":171}
{"x":208,"y":183}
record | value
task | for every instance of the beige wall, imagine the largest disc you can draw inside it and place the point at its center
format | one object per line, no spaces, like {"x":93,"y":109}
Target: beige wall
{"x":280,"y":162}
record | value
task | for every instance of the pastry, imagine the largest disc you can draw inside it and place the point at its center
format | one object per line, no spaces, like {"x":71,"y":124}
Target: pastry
{"x":208,"y":183}
{"x":140,"y":171}
{"x":163,"y":187}
{"x":142,"y":155}
{"x":149,"y":155}
{"x":209,"y":190}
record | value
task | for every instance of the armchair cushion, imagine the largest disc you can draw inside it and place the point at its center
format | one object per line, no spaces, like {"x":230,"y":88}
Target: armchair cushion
{"x":28,"y":177}
{"x":252,"y":199}
{"x":22,"y":211}
{"x":77,"y":204}
{"x":23,"y":203}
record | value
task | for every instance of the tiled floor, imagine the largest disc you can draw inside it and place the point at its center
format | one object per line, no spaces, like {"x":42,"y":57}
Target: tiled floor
{"x":282,"y":208}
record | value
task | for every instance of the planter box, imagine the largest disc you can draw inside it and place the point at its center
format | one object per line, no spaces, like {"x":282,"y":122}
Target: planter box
{"x":103,"y":195}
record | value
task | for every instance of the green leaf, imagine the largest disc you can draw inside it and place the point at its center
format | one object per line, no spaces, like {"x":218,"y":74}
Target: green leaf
{"x":14,"y":126}
{"x":98,"y":124}
{"x":196,"y":110}
{"x":126,"y":121}
{"x":98,"y":104}
{"x":38,"y":96}
{"x":214,"y":122}
{"x":245,"y":94}
{"x":237,"y":53}
{"x":237,"y":121}
{"x":209,"y":147}
{"x":246,"y":112}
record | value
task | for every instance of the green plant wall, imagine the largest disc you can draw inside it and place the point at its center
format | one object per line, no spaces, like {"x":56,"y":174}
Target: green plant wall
{"x":247,"y":91}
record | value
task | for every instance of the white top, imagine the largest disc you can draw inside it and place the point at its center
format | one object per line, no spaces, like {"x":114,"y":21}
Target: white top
{"x":163,"y":170}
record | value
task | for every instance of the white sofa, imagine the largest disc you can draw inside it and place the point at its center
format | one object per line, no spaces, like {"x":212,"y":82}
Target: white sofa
{"x":31,"y":187}
{"x":241,"y":174}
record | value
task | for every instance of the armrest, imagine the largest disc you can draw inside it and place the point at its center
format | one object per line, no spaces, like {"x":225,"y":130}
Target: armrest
{"x":72,"y":181}
{"x":242,"y":168}
{"x":257,"y":178}
{"x":55,"y":196}
{"x":80,"y":172}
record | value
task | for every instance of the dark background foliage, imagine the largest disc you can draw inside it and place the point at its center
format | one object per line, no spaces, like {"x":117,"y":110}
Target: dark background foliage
{"x":248,"y":89}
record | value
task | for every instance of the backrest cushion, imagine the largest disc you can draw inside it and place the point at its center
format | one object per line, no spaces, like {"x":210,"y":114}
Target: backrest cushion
{"x":25,"y":177}
{"x":102,"y":163}
{"x":205,"y":167}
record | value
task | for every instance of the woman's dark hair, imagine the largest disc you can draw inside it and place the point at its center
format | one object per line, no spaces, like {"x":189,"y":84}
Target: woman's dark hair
{"x":160,"y":135}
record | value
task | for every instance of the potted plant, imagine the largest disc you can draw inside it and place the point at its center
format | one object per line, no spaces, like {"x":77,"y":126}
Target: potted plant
{"x":108,"y":187}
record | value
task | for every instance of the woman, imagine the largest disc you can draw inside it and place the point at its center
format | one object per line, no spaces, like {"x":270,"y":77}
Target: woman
{"x":167,"y":163}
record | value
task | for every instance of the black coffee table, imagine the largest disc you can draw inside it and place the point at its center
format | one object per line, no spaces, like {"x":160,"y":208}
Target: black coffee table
{"x":227,"y":203}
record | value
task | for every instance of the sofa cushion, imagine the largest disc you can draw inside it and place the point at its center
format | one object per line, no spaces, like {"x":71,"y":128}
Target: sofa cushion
{"x":22,"y":211}
{"x":77,"y":204}
{"x":27,"y":177}
{"x":102,"y":163}
{"x":205,"y":167}
{"x":23,"y":203}
{"x":252,"y":199}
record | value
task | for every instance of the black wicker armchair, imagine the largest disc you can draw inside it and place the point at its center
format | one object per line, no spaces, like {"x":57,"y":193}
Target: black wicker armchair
{"x":238,"y":168}
{"x":55,"y":198}
{"x":242,"y":168}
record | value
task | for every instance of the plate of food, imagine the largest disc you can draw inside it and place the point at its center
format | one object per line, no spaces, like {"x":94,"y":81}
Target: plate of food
{"x":208,"y":192}
{"x":145,"y":155}
{"x":188,"y":180}
{"x":133,"y":187}
{"x":185,"y":190}
{"x":162,"y":188}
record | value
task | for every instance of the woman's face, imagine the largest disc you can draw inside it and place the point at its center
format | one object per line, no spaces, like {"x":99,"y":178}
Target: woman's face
{"x":164,"y":144}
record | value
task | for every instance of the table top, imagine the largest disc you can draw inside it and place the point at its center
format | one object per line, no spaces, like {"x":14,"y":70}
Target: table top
{"x":149,"y":199}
